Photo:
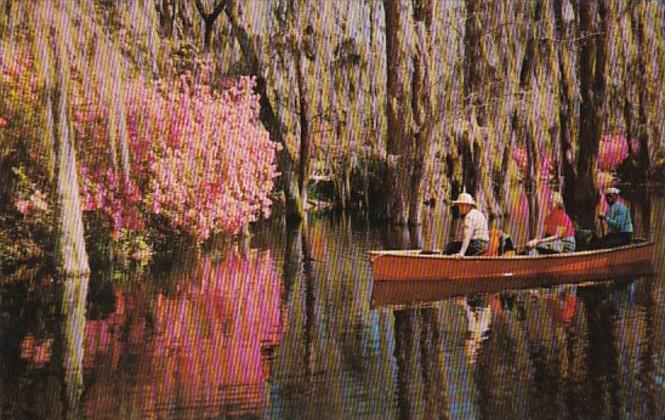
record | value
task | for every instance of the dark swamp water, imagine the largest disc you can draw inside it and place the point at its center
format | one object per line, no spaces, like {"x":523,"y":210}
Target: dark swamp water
{"x":288,"y":326}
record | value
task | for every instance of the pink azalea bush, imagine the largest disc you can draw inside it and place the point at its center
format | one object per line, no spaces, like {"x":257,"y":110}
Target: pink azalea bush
{"x":612,"y":151}
{"x":36,"y":201}
{"x":199,"y":157}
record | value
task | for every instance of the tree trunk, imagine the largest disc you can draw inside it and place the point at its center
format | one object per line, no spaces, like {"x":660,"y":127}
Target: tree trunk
{"x":643,"y":161}
{"x":294,"y":204}
{"x":396,"y":144}
{"x":472,"y":81}
{"x":209,"y":21}
{"x":72,"y":258}
{"x":592,"y":89}
{"x":305,"y":123}
{"x":73,"y":343}
{"x":565,"y":111}
{"x":421,"y":104}
{"x":531,"y":175}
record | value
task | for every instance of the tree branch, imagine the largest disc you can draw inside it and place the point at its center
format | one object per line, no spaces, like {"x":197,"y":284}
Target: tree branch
{"x":219,"y":8}
{"x":201,"y":9}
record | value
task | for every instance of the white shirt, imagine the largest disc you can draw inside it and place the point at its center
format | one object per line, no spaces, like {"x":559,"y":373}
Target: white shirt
{"x":475,"y":226}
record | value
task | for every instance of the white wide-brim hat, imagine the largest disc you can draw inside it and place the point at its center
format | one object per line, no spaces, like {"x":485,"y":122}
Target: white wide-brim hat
{"x":465,"y":198}
{"x":612,"y":190}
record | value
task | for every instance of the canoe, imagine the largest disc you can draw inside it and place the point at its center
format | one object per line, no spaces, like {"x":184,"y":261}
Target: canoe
{"x":414,"y":265}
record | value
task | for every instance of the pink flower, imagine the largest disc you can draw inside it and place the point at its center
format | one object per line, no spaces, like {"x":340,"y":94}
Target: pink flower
{"x":612,"y":150}
{"x":37,"y":201}
{"x":23,"y":206}
{"x":3,"y":122}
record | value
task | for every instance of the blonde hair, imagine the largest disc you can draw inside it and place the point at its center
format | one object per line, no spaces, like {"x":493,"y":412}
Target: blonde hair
{"x":557,"y":200}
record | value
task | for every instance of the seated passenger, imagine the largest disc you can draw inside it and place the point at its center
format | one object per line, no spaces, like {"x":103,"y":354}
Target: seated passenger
{"x":619,"y":223}
{"x":559,"y":231}
{"x":476,"y":235}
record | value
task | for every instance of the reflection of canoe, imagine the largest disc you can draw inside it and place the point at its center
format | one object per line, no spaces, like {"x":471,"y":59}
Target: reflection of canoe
{"x":410,"y":292}
{"x":415,"y":265}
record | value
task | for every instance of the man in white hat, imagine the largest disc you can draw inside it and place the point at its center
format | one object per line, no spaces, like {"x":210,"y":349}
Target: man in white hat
{"x":476,"y":234}
{"x":619,"y":223}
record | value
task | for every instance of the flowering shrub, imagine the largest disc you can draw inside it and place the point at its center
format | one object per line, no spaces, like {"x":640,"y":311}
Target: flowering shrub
{"x":214,"y":170}
{"x":36,"y":201}
{"x":612,"y":150}
{"x":197,"y":156}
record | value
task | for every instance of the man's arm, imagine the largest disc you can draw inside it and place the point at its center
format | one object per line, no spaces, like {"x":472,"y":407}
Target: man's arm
{"x":468,"y":231}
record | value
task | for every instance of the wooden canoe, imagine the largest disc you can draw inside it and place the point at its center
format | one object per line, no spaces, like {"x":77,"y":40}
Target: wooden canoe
{"x":411,"y":265}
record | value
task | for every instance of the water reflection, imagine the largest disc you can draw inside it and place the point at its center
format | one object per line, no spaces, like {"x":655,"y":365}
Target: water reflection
{"x":478,"y":317}
{"x":205,"y":346}
{"x":294,"y":327}
{"x":73,"y":333}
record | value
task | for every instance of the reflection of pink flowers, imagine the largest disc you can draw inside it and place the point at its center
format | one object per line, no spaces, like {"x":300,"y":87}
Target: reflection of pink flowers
{"x":204,"y":342}
{"x":612,"y":150}
{"x":563,"y":309}
{"x":3,"y":122}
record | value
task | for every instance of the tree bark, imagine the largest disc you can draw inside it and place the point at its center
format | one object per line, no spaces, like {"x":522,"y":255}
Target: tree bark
{"x":472,"y":92}
{"x":166,"y":12}
{"x":592,"y":88}
{"x":396,"y":147}
{"x":643,"y":161}
{"x":305,"y":123}
{"x":72,"y":325}
{"x":532,"y":172}
{"x":421,"y":104}
{"x":565,"y":111}
{"x":72,"y":256}
{"x":294,"y":204}
{"x":209,"y":21}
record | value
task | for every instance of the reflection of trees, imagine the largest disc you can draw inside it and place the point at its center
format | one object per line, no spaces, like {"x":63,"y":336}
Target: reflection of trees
{"x":421,"y":363}
{"x":603,"y":399}
{"x":564,"y":365}
{"x":328,"y":355}
{"x":73,"y":333}
{"x":503,"y":358}
{"x":27,"y":344}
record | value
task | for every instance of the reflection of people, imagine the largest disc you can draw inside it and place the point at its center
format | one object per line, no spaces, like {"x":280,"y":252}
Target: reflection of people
{"x":563,"y":305}
{"x":479,"y":316}
{"x":559,"y":231}
{"x":619,"y":223}
{"x":476,"y":235}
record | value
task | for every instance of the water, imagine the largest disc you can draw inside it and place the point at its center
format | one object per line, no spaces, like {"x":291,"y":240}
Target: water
{"x":288,"y":327}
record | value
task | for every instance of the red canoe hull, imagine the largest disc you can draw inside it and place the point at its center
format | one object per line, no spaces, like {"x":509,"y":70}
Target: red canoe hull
{"x":412,"y":265}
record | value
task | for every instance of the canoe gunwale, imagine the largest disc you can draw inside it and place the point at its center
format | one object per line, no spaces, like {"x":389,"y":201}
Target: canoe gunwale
{"x":417,"y":253}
